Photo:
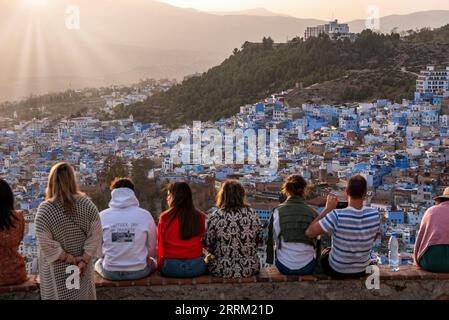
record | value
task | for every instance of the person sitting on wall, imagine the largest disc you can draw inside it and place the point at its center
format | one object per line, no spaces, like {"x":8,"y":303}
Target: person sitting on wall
{"x":233,"y":234}
{"x":295,"y":252}
{"x":129,"y":236}
{"x":180,"y":232}
{"x":432,"y":243}
{"x":354,"y":230}
{"x":12,"y":226}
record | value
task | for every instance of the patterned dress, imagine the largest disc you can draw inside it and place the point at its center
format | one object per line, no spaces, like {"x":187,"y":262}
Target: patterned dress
{"x":76,"y":234}
{"x":232,"y":237}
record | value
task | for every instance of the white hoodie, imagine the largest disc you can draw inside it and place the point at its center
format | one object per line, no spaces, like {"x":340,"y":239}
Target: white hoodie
{"x":129,"y":233}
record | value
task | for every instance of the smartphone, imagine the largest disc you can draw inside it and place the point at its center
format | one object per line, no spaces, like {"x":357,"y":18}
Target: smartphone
{"x":342,"y":204}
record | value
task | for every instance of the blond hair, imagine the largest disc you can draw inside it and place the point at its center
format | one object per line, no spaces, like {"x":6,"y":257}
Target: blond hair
{"x":231,"y":196}
{"x":62,"y":186}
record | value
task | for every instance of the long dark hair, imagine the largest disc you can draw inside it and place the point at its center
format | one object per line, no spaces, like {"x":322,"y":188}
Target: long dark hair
{"x":182,"y":206}
{"x":6,"y":206}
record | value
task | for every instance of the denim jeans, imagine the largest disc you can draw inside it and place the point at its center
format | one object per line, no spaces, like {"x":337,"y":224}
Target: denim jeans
{"x":123,"y":275}
{"x":184,"y":268}
{"x":307,"y":270}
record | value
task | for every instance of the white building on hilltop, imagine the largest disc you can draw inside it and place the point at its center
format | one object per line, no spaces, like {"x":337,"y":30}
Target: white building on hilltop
{"x":333,"y":29}
{"x":433,"y":80}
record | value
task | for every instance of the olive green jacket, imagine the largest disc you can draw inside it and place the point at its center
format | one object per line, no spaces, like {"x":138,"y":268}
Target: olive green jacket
{"x":295,"y":216}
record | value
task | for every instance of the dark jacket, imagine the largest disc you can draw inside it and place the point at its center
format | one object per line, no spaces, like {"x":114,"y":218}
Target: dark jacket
{"x":295,"y":216}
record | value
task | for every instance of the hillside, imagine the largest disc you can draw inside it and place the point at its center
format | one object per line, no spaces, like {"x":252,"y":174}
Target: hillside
{"x":260,"y":12}
{"x":375,"y":66}
{"x":357,"y":85}
{"x":397,"y":81}
{"x":121,"y":41}
{"x":411,"y":21}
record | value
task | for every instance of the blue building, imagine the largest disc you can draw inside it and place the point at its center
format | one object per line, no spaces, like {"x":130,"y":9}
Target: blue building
{"x":35,"y":203}
{"x":396,"y":217}
{"x":329,"y":113}
{"x":349,"y":123}
{"x":260,"y":107}
{"x":198,"y":168}
{"x":400,"y":118}
{"x":223,"y":172}
{"x":314,"y":123}
{"x":264,"y":216}
{"x":336,"y":136}
{"x":382,"y":103}
{"x":137,"y":127}
{"x":345,"y":151}
{"x":419,"y":96}
{"x":29,"y":240}
{"x":374,"y":171}
{"x":380,"y":170}
{"x":359,"y":167}
{"x":437,"y":100}
{"x":401,"y":162}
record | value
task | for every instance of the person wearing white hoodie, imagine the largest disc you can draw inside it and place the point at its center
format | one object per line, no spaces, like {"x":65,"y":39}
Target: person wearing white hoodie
{"x":129,"y":236}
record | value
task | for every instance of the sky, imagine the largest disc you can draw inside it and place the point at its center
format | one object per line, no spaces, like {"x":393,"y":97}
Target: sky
{"x":344,"y":10}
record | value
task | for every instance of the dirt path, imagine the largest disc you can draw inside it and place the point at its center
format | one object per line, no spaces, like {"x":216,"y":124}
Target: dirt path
{"x":404,"y":69}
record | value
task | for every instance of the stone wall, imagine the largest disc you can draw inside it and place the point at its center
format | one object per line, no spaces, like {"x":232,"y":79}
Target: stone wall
{"x":325,"y":290}
{"x":409,"y":283}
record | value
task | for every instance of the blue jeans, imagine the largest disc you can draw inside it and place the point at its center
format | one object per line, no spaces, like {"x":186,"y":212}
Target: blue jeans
{"x":307,"y":270}
{"x":184,"y":268}
{"x":122,"y":275}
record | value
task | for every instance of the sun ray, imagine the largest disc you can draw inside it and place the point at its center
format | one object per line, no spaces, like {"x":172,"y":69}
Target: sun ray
{"x":28,"y":68}
{"x":23,"y":60}
{"x":39,"y":57}
{"x":36,"y":3}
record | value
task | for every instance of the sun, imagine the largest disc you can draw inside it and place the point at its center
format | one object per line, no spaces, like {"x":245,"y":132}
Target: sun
{"x":36,"y":3}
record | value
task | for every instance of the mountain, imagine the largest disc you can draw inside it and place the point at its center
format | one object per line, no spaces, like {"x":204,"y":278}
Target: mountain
{"x":412,"y":21}
{"x":120,"y":41}
{"x":374,"y":66}
{"x":261,"y":12}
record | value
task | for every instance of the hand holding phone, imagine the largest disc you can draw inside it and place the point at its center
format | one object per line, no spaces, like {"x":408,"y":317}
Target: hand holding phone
{"x":332,"y":202}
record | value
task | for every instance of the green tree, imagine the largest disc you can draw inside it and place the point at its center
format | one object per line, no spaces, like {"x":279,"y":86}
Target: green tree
{"x":113,"y":167}
{"x":147,"y":191}
{"x":267,"y":43}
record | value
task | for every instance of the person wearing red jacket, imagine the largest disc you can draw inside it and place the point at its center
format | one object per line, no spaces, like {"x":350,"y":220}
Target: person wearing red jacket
{"x":12,"y":226}
{"x":180,"y":233}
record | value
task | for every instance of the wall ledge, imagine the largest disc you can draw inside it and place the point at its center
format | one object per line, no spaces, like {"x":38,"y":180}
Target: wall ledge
{"x":270,"y":275}
{"x":31,"y":284}
{"x":408,"y":283}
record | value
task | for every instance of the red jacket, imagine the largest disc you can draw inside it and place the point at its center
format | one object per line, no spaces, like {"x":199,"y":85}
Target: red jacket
{"x":170,"y":244}
{"x":12,"y":270}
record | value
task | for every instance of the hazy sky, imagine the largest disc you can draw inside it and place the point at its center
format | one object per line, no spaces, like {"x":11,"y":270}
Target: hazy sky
{"x":320,"y":9}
